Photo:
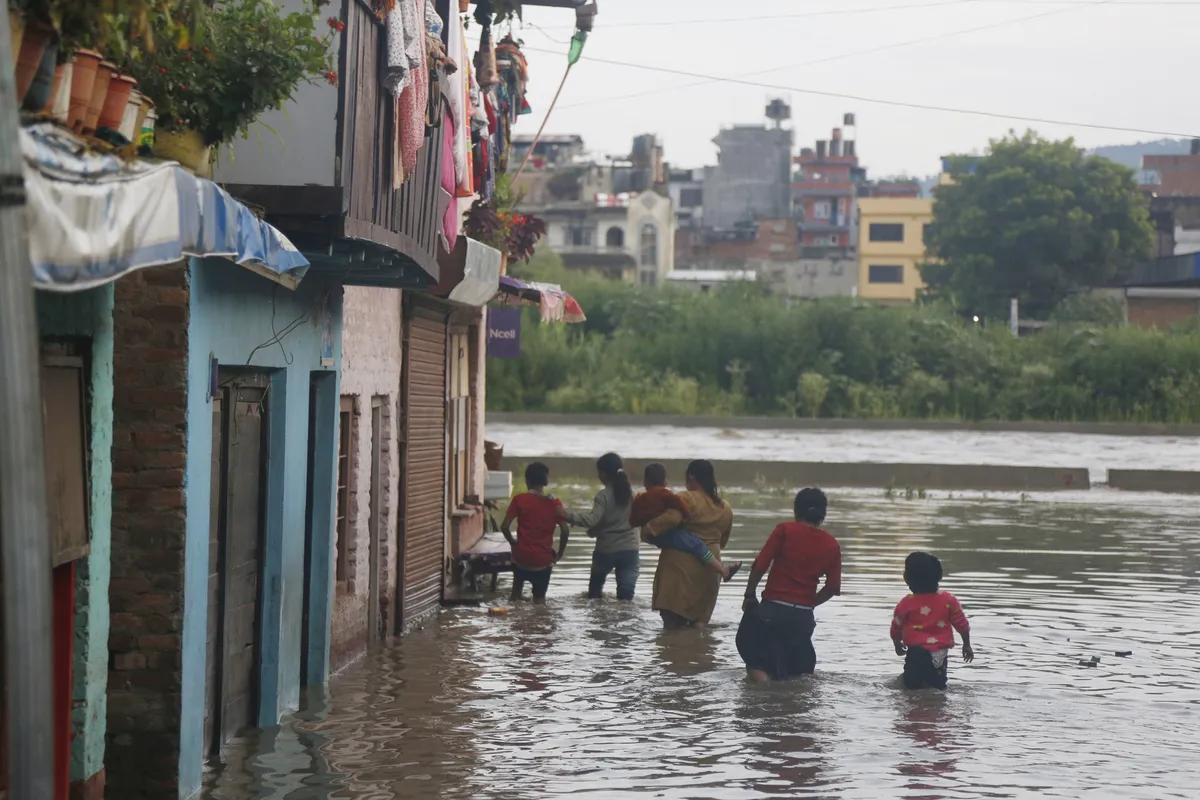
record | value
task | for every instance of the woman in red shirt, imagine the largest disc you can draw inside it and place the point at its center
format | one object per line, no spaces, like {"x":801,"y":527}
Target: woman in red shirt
{"x":775,"y":636}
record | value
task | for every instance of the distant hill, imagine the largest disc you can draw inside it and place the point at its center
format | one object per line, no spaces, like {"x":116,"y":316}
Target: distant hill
{"x":1131,"y":154}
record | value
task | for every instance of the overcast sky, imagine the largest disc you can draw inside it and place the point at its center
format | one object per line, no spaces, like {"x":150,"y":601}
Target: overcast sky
{"x":1125,"y":63}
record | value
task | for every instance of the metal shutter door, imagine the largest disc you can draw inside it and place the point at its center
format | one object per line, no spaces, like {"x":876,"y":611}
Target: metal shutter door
{"x":424,"y":461}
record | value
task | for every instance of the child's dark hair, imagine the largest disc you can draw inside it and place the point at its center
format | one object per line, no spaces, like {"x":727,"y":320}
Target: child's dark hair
{"x":810,"y":506}
{"x":612,"y":467}
{"x":656,"y":474}
{"x":537,"y":474}
{"x":922,"y":573}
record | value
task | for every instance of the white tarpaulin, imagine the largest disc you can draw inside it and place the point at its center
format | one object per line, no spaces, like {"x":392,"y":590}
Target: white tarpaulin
{"x":94,"y":217}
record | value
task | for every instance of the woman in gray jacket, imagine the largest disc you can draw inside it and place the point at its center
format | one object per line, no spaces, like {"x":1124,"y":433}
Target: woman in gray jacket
{"x":608,"y":523}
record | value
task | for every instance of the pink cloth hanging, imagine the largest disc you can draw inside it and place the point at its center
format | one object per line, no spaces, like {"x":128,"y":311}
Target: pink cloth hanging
{"x":450,"y":221}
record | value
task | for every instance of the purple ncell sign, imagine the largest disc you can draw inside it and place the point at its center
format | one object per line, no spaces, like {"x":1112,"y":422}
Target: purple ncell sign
{"x":504,"y":333}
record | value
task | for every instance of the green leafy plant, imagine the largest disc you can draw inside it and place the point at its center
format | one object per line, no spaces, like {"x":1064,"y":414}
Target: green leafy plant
{"x":248,"y":58}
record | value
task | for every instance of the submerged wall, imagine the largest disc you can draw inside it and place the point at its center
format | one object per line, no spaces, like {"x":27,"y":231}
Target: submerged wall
{"x":864,"y":475}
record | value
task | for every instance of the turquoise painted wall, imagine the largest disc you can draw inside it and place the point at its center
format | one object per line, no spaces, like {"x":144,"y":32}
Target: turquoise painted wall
{"x":238,"y":316}
{"x":89,"y":314}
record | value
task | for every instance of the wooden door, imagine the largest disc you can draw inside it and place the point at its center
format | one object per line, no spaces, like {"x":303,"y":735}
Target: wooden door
{"x":233,"y":673}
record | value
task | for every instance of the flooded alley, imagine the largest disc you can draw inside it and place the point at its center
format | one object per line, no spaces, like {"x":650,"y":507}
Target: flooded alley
{"x":593,"y":700}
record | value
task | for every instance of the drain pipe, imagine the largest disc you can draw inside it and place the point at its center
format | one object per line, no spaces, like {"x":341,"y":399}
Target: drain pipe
{"x":24,"y":532}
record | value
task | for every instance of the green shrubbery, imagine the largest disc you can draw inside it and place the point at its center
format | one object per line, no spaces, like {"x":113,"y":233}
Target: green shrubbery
{"x":743,"y":351}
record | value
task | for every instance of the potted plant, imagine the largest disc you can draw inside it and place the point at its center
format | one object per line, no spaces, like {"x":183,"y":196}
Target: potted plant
{"x":248,"y":58}
{"x":510,"y":232}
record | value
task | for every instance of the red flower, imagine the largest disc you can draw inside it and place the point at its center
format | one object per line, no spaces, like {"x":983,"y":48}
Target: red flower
{"x":336,"y":24}
{"x":163,"y":70}
{"x":332,"y":77}
{"x":187,"y":57}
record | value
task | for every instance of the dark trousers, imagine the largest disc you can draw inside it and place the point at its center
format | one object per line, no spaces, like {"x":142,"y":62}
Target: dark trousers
{"x":538,"y":579}
{"x":684,"y":542}
{"x":777,"y":639}
{"x":626,"y":564}
{"x":921,"y":671}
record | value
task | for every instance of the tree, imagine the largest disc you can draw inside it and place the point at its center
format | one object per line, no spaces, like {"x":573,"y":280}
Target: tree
{"x":1033,"y":220}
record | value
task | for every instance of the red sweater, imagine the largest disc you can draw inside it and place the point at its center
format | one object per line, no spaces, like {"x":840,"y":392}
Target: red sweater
{"x":653,"y":503}
{"x":929,"y":621}
{"x":798,"y":556}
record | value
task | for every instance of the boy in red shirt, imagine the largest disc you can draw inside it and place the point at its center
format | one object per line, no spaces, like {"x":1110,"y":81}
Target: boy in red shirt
{"x":775,"y":636}
{"x":537,"y":515}
{"x":923,"y":624}
{"x":656,"y":501}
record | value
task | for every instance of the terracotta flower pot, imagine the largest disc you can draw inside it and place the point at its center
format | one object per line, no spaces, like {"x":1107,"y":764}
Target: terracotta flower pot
{"x":34,"y":43}
{"x":104,"y":77}
{"x":83,"y":79}
{"x":41,"y":91}
{"x":114,"y":104}
{"x":464,"y":6}
{"x":60,"y":97}
{"x":186,"y":147}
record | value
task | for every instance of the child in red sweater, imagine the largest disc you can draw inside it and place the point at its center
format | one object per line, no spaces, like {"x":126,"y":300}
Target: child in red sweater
{"x":923,"y":624}
{"x":537,"y":516}
{"x":656,"y":501}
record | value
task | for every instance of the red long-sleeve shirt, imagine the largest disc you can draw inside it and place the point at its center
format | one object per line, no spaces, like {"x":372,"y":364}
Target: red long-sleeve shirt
{"x":798,"y":556}
{"x":929,"y":621}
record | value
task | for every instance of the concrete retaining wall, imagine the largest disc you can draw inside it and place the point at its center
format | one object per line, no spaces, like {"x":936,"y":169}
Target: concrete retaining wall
{"x":1154,"y":480}
{"x":787,"y":423}
{"x":853,"y":476}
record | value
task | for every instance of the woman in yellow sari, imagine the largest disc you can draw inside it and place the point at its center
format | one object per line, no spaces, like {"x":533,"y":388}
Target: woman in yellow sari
{"x":685,"y":590}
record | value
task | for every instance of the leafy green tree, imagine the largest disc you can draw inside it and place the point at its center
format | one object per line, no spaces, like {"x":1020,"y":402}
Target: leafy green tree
{"x":1034,"y":220}
{"x":812,"y":389}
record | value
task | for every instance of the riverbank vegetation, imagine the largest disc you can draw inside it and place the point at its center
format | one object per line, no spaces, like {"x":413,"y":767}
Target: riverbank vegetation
{"x":741,"y":350}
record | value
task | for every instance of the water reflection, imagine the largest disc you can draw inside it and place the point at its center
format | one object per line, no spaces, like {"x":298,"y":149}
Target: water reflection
{"x":594,"y":700}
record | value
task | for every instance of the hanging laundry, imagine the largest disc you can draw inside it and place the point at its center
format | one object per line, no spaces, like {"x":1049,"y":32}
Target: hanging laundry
{"x":411,"y":106}
{"x":405,"y":45}
{"x":433,"y":20}
{"x":450,"y":219}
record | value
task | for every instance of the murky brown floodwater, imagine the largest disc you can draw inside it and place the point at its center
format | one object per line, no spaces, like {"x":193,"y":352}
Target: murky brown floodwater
{"x":591,"y":700}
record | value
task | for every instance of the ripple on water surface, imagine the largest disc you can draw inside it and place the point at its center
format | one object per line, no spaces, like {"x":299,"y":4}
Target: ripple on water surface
{"x":593,"y":700}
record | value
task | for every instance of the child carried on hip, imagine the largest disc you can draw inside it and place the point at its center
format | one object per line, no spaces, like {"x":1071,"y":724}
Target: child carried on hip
{"x":657,"y":500}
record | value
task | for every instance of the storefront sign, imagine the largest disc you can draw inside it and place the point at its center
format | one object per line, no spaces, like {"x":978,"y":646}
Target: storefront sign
{"x":504,"y":333}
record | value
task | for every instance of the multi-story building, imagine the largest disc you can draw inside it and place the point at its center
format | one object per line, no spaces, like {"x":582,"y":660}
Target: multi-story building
{"x":824,"y":189}
{"x":891,"y":245}
{"x":750,"y":181}
{"x":615,"y":218}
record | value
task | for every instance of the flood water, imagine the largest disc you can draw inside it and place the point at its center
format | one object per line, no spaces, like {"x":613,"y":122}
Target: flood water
{"x":1098,"y":453}
{"x":591,"y":700}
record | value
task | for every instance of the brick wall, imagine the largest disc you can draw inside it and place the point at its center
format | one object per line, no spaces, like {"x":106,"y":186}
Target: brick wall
{"x":148,"y":529}
{"x":371,"y":365}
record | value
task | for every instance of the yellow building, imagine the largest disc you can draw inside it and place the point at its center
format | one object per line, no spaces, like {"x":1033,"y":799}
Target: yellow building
{"x":891,"y":243}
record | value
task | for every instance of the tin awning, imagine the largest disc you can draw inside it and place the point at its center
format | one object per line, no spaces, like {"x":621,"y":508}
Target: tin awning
{"x":94,"y":217}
